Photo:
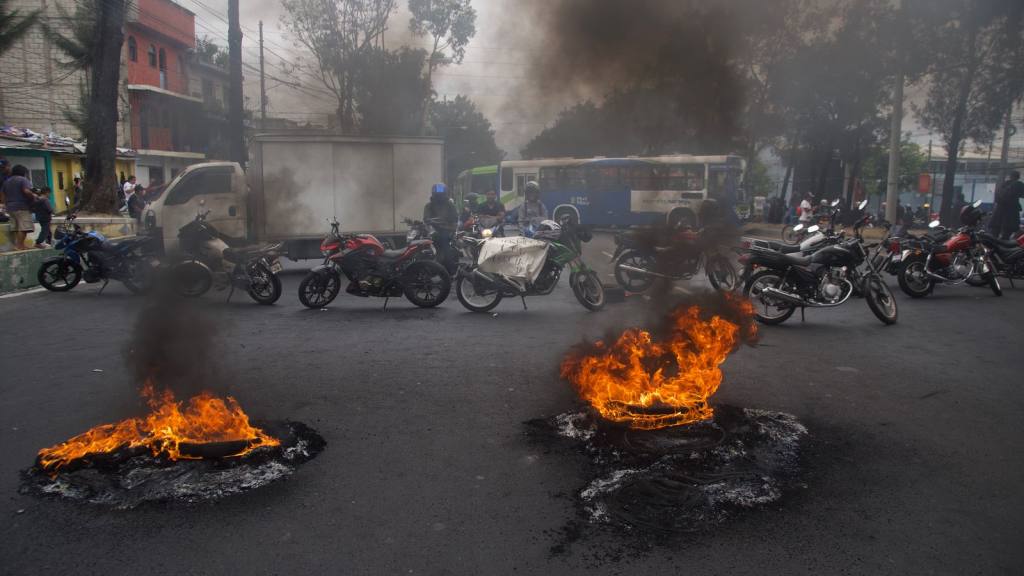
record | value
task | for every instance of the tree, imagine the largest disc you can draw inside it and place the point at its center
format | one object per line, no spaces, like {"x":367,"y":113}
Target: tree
{"x":450,"y":24}
{"x":14,"y":25}
{"x":969,"y":79}
{"x":211,"y":53}
{"x":100,"y":186}
{"x":875,"y":169}
{"x":339,"y":33}
{"x":468,"y":135}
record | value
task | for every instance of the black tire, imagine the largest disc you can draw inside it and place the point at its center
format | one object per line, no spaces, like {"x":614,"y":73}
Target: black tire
{"x":264,"y":285}
{"x":588,"y":290}
{"x":191,"y":279}
{"x":318,"y":289}
{"x":466,"y":291}
{"x":139,"y":279}
{"x":993,"y":283}
{"x":59,"y":275}
{"x":426,"y":283}
{"x":880,"y":299}
{"x":764,"y":279}
{"x":913,"y":280}
{"x":634,"y":281}
{"x":721,"y":274}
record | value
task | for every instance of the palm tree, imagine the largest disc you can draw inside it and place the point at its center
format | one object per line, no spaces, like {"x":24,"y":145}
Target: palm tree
{"x":14,"y":25}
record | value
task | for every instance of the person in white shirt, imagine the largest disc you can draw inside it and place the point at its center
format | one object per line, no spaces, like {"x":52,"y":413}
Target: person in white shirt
{"x":806,"y":210}
{"x":127,"y":190}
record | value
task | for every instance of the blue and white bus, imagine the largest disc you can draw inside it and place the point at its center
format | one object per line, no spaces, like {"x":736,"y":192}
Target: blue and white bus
{"x":626,"y":191}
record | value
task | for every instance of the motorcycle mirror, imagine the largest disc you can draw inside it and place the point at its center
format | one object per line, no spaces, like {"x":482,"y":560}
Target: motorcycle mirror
{"x":798,"y":227}
{"x":934,"y":224}
{"x":863,"y":204}
{"x":813,"y":229}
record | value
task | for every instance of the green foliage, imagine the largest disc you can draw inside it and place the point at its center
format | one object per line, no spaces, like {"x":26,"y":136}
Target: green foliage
{"x":450,"y":24}
{"x":391,"y":90}
{"x":875,"y":170}
{"x":757,"y":181}
{"x":14,"y":24}
{"x":468,"y":135}
{"x":210,"y":52}
{"x":74,"y":34}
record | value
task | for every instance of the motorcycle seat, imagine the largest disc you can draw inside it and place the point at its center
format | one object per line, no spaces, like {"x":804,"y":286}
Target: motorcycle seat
{"x":796,"y":259}
{"x":392,"y":254}
{"x":1003,"y":244}
{"x":239,"y":254}
{"x":784,"y":248}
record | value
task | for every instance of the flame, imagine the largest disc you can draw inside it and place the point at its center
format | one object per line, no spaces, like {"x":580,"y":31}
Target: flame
{"x":202,"y":420}
{"x":650,"y":384}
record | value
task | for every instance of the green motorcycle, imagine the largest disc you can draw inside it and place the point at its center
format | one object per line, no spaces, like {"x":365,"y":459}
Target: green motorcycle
{"x":481,"y":291}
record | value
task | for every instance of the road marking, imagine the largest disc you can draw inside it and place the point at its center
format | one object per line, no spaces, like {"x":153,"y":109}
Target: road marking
{"x":22,"y":293}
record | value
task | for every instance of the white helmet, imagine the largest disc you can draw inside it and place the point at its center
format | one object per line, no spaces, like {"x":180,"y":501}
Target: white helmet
{"x":548,"y":230}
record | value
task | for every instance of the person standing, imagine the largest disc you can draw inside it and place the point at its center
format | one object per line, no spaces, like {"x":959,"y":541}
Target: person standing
{"x":17,"y":196}
{"x":440,"y":213}
{"x":806,"y":210}
{"x":127,"y":189}
{"x":136,"y":202}
{"x":532,"y":211}
{"x":43,"y":209}
{"x":1006,"y":217}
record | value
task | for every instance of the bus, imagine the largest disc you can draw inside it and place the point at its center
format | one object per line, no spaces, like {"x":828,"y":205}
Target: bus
{"x":625,"y":191}
{"x":477,"y":181}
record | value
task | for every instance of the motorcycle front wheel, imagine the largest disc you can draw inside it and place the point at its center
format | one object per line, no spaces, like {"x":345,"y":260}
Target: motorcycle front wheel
{"x":880,"y":299}
{"x":319,"y":290}
{"x":790,"y":236}
{"x":191,"y":279}
{"x":632,"y":281}
{"x":721,"y":274}
{"x":474,"y":296}
{"x":59,"y":275}
{"x":139,"y":277}
{"x":264,"y":285}
{"x":914,"y":281}
{"x":993,"y":283}
{"x":765,"y":311}
{"x":426,"y":283}
{"x":588,"y":290}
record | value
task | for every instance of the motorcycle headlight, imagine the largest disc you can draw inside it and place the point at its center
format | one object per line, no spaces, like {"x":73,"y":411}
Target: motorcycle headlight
{"x":412,"y":235}
{"x":487,"y":233}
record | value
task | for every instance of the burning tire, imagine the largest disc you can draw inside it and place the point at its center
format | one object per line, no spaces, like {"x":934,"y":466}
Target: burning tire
{"x":474,"y":296}
{"x":767,"y":312}
{"x":319,"y":290}
{"x":426,"y":284}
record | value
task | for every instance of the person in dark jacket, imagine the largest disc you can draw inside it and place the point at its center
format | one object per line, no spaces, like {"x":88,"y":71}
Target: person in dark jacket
{"x":43,"y":210}
{"x":1006,"y":217}
{"x":440,"y":212}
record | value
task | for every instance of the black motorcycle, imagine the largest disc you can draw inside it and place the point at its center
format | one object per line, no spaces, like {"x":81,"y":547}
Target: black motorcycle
{"x":210,"y":259}
{"x":1007,"y":256}
{"x":90,"y":256}
{"x":827,"y":278}
{"x":643,"y":256}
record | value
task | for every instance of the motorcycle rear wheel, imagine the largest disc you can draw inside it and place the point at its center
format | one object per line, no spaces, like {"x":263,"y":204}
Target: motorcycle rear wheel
{"x":476,"y":298}
{"x":59,"y":275}
{"x":588,"y":290}
{"x":426,"y":283}
{"x":264,"y":286}
{"x":634,"y":281}
{"x":772,"y":313}
{"x":319,"y":290}
{"x":914,"y":281}
{"x":880,"y":300}
{"x":721,"y":274}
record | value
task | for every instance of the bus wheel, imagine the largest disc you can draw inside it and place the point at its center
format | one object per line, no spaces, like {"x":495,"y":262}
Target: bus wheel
{"x":569,"y":214}
{"x":682,"y":218}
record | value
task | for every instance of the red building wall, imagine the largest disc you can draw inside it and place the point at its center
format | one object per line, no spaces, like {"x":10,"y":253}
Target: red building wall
{"x":171,"y":20}
{"x":162,"y":25}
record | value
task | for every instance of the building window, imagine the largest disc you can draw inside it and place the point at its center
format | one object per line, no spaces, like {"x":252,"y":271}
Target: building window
{"x":133,"y":49}
{"x":152,"y":55}
{"x":163,"y":59}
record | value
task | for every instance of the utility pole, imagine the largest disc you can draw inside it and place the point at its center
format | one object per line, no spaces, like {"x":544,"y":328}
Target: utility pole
{"x":263,"y":84}
{"x":892,"y":194}
{"x":236,"y":116}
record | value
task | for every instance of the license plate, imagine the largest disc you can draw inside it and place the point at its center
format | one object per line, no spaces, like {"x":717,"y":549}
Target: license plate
{"x":276,"y":267}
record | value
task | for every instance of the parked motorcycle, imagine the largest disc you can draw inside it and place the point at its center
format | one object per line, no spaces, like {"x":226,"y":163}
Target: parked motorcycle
{"x":209,"y":260}
{"x":1007,"y":255}
{"x":961,"y":258}
{"x":447,"y":257}
{"x":640,"y":259}
{"x":90,"y":256}
{"x":373,"y":271}
{"x":481,"y":291}
{"x":824,"y":279}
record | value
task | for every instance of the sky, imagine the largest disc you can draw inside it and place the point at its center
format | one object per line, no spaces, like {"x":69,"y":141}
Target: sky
{"x":494,"y":69}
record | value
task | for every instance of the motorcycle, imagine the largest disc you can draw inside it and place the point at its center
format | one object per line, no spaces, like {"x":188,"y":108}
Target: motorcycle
{"x":639,"y":261}
{"x":419,"y":230}
{"x":479,"y":291}
{"x":92,"y":257}
{"x":373,"y":271}
{"x":209,"y":260}
{"x":1007,"y":255}
{"x":963,"y":257}
{"x":825,"y":279}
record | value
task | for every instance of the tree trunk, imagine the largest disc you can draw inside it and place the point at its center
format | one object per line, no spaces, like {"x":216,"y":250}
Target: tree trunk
{"x":100,"y":186}
{"x":822,"y":185}
{"x":956,"y":131}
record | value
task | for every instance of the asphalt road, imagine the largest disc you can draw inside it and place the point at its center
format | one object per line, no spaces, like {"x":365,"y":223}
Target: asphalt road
{"x":913,"y":464}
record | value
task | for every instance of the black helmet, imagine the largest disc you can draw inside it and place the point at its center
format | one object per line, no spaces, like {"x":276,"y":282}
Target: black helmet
{"x":970,"y":214}
{"x":531,"y":187}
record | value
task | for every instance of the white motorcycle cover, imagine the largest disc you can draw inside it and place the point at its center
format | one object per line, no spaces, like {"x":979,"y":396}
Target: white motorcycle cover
{"x":515,"y":257}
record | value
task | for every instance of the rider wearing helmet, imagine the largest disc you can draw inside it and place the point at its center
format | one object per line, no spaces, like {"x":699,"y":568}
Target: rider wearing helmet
{"x":440,"y":213}
{"x":532,"y":210}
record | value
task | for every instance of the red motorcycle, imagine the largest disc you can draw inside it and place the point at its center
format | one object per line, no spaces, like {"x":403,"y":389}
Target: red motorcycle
{"x":963,"y":258}
{"x":373,"y":271}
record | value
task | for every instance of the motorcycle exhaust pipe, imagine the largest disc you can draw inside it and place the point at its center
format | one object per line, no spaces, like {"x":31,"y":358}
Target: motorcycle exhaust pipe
{"x":645,"y":272}
{"x":787,"y":297}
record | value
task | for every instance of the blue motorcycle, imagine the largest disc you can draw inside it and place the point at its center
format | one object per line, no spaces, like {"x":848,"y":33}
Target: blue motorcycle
{"x":90,"y":256}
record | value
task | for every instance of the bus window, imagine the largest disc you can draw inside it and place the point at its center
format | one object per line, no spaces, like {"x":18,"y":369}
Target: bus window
{"x":686,"y":177}
{"x":548,"y":180}
{"x":571,"y":179}
{"x":506,"y":180}
{"x":603,"y":178}
{"x":641,"y":178}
